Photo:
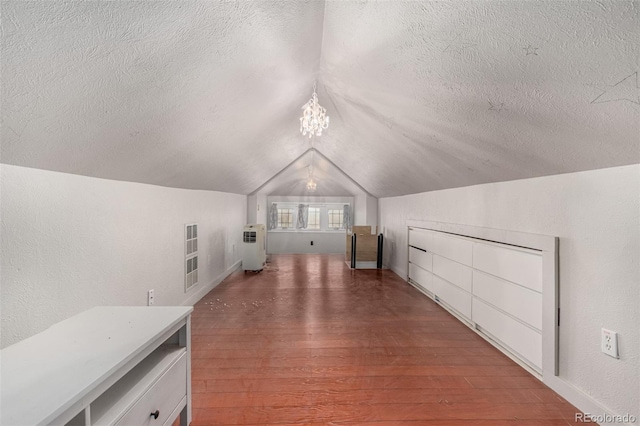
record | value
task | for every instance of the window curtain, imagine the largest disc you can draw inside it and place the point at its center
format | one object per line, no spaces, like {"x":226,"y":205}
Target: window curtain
{"x":273,"y":216}
{"x":346,"y":217}
{"x":303,"y":216}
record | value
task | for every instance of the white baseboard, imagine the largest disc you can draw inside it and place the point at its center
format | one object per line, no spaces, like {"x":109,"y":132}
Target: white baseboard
{"x":402,"y":273}
{"x":202,"y":291}
{"x":579,"y":399}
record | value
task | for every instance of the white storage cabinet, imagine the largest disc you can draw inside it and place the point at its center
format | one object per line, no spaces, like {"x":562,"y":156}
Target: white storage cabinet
{"x":106,"y":366}
{"x":495,"y":288}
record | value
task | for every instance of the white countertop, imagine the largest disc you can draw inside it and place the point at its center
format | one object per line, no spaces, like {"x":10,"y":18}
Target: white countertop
{"x":47,"y":373}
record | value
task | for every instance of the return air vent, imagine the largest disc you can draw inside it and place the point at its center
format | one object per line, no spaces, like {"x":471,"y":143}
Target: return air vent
{"x":191,"y":278}
{"x":192,"y":239}
{"x":191,"y":255}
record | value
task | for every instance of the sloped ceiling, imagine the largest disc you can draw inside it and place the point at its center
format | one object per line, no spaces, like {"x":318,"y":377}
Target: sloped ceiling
{"x":422,"y":95}
{"x":293,"y":179}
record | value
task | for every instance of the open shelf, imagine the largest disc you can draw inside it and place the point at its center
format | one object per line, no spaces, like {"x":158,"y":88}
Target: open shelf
{"x":120,"y":397}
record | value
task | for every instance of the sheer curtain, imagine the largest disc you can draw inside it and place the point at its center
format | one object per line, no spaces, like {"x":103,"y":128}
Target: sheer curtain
{"x":346,"y":217}
{"x":273,"y":216}
{"x":303,"y":216}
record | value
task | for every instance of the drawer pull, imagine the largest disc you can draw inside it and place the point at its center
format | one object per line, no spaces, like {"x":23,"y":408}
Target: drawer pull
{"x":155,"y":414}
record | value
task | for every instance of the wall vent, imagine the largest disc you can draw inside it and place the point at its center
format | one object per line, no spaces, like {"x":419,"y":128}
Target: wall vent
{"x":191,"y":255}
{"x":249,"y":237}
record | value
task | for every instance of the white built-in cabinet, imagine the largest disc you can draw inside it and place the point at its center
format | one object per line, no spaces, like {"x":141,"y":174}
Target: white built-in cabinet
{"x":495,"y":288}
{"x":105,"y":366}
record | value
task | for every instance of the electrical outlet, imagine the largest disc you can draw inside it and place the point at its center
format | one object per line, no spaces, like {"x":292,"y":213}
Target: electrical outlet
{"x":311,"y":242}
{"x":610,"y":343}
{"x":208,"y":259}
{"x":150,"y":298}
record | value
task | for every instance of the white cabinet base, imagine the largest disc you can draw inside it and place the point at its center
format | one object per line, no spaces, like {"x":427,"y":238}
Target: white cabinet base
{"x":105,"y":366}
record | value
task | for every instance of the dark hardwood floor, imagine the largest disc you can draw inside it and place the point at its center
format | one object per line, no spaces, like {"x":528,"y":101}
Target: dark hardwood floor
{"x":308,"y":341}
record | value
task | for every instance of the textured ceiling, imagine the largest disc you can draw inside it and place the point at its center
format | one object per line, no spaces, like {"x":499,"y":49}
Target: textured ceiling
{"x":422,"y":95}
{"x":293,"y":179}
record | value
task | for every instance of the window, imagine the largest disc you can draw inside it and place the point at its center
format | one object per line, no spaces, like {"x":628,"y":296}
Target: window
{"x":285,"y":218}
{"x":321,"y":217}
{"x":336,"y":218}
{"x":313,"y":221}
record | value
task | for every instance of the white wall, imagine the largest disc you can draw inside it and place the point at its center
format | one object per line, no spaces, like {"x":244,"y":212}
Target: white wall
{"x":360,"y":209}
{"x":261,"y":209}
{"x":372,"y":211}
{"x":365,"y":210}
{"x":71,"y":242}
{"x":257,"y":208}
{"x":299,"y":242}
{"x":252,"y":209}
{"x":596,"y":215}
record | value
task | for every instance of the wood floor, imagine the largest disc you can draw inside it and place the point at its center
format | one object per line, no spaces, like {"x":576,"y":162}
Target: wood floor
{"x":308,"y":341}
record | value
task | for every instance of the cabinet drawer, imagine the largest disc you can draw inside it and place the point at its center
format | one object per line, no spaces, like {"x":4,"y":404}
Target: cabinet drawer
{"x":453,"y":296}
{"x":420,"y":258}
{"x":421,"y":277}
{"x":454,"y":248}
{"x":164,"y":396}
{"x":522,"y":303}
{"x":454,"y":272}
{"x":526,"y":342}
{"x":522,"y":267}
{"x":420,"y":238}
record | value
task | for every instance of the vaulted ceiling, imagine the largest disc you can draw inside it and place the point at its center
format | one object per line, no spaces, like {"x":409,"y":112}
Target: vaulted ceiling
{"x":422,"y":95}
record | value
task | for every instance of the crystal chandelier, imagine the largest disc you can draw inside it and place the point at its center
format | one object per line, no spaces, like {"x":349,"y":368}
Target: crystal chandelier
{"x":311,"y":184}
{"x":314,"y":117}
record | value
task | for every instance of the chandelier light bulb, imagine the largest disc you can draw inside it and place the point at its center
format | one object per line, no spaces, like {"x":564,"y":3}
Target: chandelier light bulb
{"x":311,"y":185}
{"x":314,"y":117}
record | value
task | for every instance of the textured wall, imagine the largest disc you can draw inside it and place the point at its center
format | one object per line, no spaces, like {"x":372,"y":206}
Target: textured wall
{"x":596,"y":215}
{"x":70,"y":243}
